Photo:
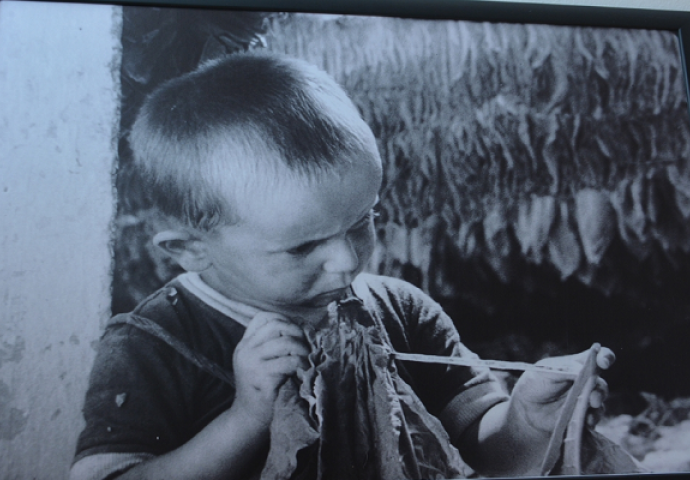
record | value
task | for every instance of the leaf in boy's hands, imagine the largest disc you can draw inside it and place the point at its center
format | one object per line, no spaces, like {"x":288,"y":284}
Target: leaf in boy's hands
{"x":601,"y":456}
{"x":291,"y":431}
{"x":369,"y":424}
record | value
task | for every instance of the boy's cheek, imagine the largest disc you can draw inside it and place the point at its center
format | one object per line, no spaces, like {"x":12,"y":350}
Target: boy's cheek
{"x":365,"y":247}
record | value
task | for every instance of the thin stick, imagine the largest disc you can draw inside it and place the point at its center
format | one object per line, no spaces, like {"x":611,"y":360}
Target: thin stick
{"x":493,"y":364}
{"x":572,"y":461}
{"x":553,"y":451}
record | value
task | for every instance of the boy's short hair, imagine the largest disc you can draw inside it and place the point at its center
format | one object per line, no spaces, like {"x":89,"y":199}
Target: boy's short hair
{"x":197,"y":132}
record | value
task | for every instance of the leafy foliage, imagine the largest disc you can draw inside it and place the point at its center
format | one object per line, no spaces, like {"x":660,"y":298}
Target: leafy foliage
{"x":483,"y":126}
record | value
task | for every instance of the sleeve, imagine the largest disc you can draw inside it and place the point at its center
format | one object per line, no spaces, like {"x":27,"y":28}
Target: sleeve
{"x":138,"y":403}
{"x":103,"y":466}
{"x":458,"y":396}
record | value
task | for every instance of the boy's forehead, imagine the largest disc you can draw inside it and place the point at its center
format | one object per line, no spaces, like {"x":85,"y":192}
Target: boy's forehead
{"x":247,"y":175}
{"x":267,"y":169}
{"x":350,"y":189}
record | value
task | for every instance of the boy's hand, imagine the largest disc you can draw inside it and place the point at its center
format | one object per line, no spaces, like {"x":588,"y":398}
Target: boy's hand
{"x":538,"y":397}
{"x":271,"y":350}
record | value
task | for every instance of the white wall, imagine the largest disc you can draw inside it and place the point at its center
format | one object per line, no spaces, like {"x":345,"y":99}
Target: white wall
{"x":59,"y":71}
{"x":59,"y":67}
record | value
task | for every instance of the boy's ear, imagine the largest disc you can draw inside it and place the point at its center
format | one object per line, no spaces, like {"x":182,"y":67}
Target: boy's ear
{"x":188,"y":251}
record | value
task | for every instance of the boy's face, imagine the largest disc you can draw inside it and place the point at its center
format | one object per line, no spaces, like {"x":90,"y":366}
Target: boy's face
{"x":299,"y":244}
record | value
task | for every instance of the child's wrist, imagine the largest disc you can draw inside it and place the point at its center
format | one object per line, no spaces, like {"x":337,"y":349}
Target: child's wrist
{"x":250,"y":419}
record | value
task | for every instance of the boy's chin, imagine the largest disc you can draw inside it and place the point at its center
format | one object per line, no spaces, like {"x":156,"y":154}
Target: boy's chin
{"x":309,"y":317}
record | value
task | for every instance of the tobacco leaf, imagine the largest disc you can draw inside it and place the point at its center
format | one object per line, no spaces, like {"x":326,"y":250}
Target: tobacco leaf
{"x":353,"y":417}
{"x":564,"y":249}
{"x":601,"y":456}
{"x":625,"y":200}
{"x":681,"y":182}
{"x":595,"y":221}
{"x":534,"y":221}
{"x":291,"y":431}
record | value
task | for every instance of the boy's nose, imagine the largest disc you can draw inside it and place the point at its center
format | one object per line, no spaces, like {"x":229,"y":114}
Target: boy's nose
{"x":342,"y":256}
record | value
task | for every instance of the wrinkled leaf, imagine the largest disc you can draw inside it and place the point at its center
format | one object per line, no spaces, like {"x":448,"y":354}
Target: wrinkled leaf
{"x":354,"y":417}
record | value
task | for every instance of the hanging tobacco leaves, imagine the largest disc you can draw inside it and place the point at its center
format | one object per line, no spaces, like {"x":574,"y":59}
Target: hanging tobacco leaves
{"x":471,"y":119}
{"x":495,"y":125}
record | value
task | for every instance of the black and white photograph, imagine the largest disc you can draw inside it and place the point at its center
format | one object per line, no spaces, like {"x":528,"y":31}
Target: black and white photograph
{"x":296,"y":245}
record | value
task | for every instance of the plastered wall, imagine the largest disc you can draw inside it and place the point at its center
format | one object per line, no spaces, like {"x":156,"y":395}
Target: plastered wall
{"x":59,"y":66}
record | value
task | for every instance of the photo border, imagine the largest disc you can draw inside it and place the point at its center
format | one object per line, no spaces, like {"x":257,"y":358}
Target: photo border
{"x":470,"y":10}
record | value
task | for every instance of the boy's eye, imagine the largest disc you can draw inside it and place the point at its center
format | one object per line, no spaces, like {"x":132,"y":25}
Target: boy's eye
{"x":373,"y":213}
{"x":376,"y":210}
{"x":303,"y":249}
{"x":307,"y":248}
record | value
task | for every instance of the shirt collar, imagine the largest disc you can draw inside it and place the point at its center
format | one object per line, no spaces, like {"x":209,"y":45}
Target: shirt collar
{"x":240,"y":312}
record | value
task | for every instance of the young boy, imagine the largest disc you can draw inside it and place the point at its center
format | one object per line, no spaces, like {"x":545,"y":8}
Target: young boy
{"x":268,"y":180}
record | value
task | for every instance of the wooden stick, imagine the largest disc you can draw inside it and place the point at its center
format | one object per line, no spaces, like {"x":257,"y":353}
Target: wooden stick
{"x":493,"y":364}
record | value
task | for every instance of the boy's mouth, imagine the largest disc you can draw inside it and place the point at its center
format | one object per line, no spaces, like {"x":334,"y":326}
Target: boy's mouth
{"x":323,"y":299}
{"x":312,"y":312}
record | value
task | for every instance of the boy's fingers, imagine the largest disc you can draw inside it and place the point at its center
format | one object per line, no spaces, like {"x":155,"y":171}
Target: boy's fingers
{"x":259,"y":320}
{"x":274,"y":372}
{"x":605,"y":358}
{"x":281,"y":347}
{"x":265,"y":326}
{"x":286,"y":365}
{"x":599,"y":394}
{"x":279,"y":329}
{"x":594,"y":417}
{"x":596,"y":399}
